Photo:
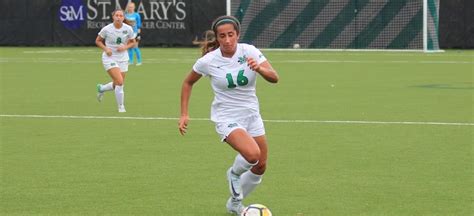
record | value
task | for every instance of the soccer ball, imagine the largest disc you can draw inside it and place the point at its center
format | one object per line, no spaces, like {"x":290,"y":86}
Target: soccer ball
{"x":256,"y":210}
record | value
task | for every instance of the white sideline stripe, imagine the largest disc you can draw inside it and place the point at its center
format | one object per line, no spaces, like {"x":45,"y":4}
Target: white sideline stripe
{"x":283,"y":61}
{"x":191,"y":60}
{"x":338,"y":52}
{"x":374,"y":62}
{"x":268,"y":120}
{"x":60,"y":51}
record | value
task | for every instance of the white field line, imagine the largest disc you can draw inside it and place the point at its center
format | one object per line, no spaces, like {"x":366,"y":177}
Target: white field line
{"x":268,"y":120}
{"x":191,"y":61}
{"x":341,"y":52}
{"x":373,"y":62}
{"x":401,"y":53}
{"x":95,"y":51}
{"x":313,"y":52}
{"x":55,"y":51}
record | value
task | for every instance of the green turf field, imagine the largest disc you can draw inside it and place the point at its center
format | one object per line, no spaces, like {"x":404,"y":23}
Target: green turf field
{"x":350,"y":133}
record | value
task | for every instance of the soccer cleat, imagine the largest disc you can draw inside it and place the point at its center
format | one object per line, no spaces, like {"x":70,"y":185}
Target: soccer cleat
{"x":138,"y":64}
{"x":234,"y":185}
{"x":100,"y":94}
{"x":234,"y":206}
{"x":121,"y":109}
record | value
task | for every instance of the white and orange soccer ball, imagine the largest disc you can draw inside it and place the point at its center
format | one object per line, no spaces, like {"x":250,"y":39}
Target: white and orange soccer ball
{"x":256,"y":210}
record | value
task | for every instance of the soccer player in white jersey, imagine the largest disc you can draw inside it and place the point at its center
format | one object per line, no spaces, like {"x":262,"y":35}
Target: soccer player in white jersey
{"x":233,"y":68}
{"x":115,"y":39}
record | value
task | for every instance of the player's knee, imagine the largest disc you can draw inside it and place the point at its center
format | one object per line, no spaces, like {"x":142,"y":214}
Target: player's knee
{"x":118,"y":82}
{"x":253,"y":156}
{"x":260,"y":168}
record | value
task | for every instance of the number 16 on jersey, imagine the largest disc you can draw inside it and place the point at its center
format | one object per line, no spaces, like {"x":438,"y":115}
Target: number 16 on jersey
{"x":241,"y":79}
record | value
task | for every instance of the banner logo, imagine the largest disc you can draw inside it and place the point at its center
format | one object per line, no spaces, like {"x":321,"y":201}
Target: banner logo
{"x":95,"y":14}
{"x":155,"y":14}
{"x":72,"y":13}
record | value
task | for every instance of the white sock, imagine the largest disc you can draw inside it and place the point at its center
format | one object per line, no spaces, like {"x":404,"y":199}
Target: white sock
{"x":107,"y":87}
{"x":241,"y":165}
{"x":119,"y":95}
{"x":249,"y":181}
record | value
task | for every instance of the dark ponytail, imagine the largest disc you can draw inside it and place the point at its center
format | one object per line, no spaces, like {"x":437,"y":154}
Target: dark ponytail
{"x":209,"y":42}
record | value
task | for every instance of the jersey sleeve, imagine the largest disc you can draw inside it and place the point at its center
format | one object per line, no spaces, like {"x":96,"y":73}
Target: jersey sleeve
{"x":130,"y":34}
{"x":201,"y":67}
{"x":103,"y":33}
{"x":256,"y":54}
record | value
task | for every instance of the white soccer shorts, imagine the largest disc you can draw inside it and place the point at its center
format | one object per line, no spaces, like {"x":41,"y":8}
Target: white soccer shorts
{"x":252,"y":124}
{"x":108,"y":63}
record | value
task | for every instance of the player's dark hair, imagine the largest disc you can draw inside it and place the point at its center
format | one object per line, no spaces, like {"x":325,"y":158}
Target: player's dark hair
{"x":115,"y":11}
{"x":225,"y":20}
{"x":210,"y":42}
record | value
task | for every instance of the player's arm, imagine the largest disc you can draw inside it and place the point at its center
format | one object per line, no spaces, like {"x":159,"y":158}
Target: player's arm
{"x":139,"y":22}
{"x":99,"y":41}
{"x":186,"y":89}
{"x":265,"y":69}
{"x":130,"y":43}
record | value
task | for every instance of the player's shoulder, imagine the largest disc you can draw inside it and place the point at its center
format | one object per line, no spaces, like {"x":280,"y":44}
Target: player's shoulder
{"x":127,"y":26}
{"x":108,"y":26}
{"x":247,"y":46}
{"x":208,"y":57}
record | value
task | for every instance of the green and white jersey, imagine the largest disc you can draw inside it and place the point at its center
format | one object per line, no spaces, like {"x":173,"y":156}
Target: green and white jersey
{"x":233,"y":82}
{"x":115,"y":37}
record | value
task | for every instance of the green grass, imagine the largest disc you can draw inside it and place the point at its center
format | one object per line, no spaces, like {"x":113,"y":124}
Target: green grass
{"x":71,"y":166}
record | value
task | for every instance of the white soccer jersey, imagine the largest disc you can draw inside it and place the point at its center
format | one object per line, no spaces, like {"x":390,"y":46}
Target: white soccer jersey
{"x":114,"y":38}
{"x":233,"y":82}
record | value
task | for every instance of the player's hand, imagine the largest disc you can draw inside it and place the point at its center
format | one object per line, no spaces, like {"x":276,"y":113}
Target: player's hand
{"x":253,"y":64}
{"x":183,"y":124}
{"x":108,"y":51}
{"x":121,"y":48}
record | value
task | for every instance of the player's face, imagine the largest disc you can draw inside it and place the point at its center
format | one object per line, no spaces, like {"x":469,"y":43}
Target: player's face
{"x":227,"y":37}
{"x":131,"y":8}
{"x":118,"y":16}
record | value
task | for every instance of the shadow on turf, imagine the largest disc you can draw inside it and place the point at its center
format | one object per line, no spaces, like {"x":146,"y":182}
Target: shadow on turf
{"x":460,"y":86}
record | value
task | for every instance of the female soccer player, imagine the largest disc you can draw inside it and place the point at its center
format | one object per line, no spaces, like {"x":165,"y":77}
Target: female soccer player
{"x":134,"y":20}
{"x":233,"y":68}
{"x":115,"y":39}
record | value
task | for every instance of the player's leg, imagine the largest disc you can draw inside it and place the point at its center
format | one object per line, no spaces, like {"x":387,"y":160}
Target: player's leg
{"x":117,"y":78}
{"x":249,"y":154}
{"x":139,"y":54}
{"x":121,"y":108}
{"x":252,"y":178}
{"x":105,"y":87}
{"x":102,"y":88}
{"x":130,"y":55}
{"x":123,"y":74}
{"x":119,"y":90}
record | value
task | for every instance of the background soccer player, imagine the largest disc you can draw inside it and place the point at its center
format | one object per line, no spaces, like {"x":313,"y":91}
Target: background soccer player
{"x":134,"y":20}
{"x":114,"y":39}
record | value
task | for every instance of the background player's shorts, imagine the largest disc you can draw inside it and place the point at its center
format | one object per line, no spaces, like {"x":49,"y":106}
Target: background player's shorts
{"x":108,"y":63}
{"x":252,"y":124}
